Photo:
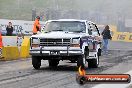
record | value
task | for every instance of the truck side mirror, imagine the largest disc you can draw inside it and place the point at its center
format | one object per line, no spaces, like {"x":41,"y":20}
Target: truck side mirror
{"x":42,"y":29}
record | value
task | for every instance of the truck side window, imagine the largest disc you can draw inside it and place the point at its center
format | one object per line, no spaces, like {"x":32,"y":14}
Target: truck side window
{"x":94,"y":30}
{"x":89,"y":30}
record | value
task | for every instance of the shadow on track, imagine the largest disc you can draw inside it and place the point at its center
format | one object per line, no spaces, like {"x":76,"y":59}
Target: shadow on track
{"x":60,"y":68}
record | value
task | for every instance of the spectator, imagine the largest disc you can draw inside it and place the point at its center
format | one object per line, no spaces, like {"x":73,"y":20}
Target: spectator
{"x":9,"y":29}
{"x":36,"y":26}
{"x":106,"y":36}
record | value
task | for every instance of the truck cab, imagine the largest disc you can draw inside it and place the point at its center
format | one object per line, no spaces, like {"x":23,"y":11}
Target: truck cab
{"x":66,"y":39}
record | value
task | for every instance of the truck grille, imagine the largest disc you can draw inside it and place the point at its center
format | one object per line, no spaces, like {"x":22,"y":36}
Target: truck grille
{"x":54,"y":42}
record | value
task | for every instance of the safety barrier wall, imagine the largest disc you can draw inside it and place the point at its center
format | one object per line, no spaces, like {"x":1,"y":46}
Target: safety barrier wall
{"x":10,"y":53}
{"x":24,"y":49}
{"x":11,"y":50}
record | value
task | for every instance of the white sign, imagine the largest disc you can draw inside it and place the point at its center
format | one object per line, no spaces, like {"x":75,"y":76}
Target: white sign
{"x":19,"y":26}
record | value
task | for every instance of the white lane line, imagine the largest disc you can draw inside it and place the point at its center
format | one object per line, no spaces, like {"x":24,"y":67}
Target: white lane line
{"x":115,"y":85}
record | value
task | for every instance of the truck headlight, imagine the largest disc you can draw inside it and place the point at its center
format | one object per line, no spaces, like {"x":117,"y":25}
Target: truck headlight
{"x":35,"y":42}
{"x":75,"y":41}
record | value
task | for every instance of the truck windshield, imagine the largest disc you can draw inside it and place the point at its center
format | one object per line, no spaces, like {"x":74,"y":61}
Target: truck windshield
{"x":70,"y":26}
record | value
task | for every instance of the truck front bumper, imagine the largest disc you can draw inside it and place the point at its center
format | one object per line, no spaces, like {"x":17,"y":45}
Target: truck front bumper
{"x":55,"y":51}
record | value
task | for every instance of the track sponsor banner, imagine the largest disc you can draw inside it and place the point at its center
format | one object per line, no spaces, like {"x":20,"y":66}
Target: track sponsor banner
{"x":20,"y":26}
{"x":130,"y":37}
{"x":122,"y":36}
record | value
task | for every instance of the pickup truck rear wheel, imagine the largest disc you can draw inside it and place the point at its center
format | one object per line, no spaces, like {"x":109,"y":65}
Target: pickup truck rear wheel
{"x":36,"y":62}
{"x":53,"y":63}
{"x":93,"y":63}
{"x":99,"y":52}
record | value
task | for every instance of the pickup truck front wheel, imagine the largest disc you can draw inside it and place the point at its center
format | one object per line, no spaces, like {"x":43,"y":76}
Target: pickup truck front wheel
{"x":36,"y":62}
{"x":53,"y":63}
{"x":81,"y":61}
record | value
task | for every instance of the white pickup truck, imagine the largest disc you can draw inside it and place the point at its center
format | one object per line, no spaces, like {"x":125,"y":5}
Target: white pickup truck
{"x":66,"y":39}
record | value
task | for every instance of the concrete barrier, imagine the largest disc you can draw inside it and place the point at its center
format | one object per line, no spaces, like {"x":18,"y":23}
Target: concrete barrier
{"x":24,"y":49}
{"x":10,"y":50}
{"x":10,"y":53}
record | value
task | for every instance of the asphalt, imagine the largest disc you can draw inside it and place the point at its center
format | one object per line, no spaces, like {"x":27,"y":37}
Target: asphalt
{"x":124,"y":46}
{"x":21,"y":74}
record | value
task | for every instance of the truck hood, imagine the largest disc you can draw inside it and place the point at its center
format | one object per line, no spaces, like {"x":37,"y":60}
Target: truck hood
{"x":59,"y":34}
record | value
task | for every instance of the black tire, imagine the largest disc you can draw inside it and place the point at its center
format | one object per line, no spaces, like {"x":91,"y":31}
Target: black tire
{"x":36,"y":62}
{"x":92,"y":63}
{"x":80,"y":61}
{"x":99,"y":52}
{"x":53,"y":63}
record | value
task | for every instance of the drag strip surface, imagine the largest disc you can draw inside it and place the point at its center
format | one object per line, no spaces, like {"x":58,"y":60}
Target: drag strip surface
{"x":20,"y":74}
